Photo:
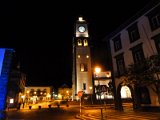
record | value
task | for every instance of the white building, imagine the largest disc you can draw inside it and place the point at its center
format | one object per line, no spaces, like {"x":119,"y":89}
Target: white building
{"x":81,"y":72}
{"x":101,"y":85}
{"x":34,"y":94}
{"x":136,"y":39}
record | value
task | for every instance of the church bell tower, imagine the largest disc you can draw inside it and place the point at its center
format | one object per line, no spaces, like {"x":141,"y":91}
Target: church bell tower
{"x":81,"y":72}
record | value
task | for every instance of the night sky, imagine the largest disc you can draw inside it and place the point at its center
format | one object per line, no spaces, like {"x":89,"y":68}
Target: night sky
{"x":41,"y":33}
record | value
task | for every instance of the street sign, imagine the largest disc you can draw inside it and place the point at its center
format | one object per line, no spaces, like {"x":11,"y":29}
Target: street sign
{"x":103,"y":88}
{"x":80,"y":93}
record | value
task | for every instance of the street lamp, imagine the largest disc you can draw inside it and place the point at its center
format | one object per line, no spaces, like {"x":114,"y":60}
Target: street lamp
{"x":98,"y":70}
{"x":91,"y":94}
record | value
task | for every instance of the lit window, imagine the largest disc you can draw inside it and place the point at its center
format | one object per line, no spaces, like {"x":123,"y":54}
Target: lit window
{"x":85,"y":42}
{"x":79,"y":42}
{"x":83,"y":67}
{"x":108,"y":74}
{"x":11,"y":101}
{"x":125,"y":92}
{"x":87,"y":56}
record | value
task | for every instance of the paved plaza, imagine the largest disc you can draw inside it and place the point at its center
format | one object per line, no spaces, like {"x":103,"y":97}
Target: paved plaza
{"x":73,"y":113}
{"x":109,"y":114}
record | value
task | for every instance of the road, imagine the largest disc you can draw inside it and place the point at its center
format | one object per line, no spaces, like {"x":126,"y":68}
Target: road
{"x":62,"y":113}
{"x":72,"y":113}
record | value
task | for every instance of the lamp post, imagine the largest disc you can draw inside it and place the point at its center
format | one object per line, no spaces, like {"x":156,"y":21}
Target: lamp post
{"x":98,"y":70}
{"x":91,"y":94}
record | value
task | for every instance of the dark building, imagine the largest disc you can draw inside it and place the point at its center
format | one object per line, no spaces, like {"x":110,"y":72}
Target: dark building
{"x":131,"y":43}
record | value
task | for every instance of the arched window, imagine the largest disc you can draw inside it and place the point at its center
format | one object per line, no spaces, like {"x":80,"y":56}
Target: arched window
{"x":79,"y":42}
{"x":125,"y":92}
{"x":83,"y":67}
{"x":85,"y":42}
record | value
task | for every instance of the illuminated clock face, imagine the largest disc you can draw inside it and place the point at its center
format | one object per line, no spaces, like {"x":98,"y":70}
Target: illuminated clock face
{"x":81,"y":29}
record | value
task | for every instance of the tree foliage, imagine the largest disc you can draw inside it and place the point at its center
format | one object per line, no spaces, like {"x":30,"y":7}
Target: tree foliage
{"x":110,"y":88}
{"x":146,"y":73}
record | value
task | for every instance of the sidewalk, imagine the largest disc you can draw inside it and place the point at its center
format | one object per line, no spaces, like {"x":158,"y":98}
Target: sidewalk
{"x":110,"y":114}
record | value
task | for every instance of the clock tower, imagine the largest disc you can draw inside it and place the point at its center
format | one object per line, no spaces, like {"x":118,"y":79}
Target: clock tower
{"x":81,"y":72}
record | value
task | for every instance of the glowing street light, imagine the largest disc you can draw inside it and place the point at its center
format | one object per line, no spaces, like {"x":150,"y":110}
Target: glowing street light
{"x":90,"y":88}
{"x":98,"y":70}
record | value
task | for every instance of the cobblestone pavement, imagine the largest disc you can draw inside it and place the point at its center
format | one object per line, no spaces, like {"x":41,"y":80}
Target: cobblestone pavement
{"x":110,"y":114}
